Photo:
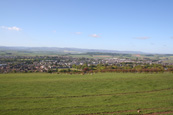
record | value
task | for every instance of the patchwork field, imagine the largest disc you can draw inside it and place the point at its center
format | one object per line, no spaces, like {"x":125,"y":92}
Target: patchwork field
{"x":101,"y":93}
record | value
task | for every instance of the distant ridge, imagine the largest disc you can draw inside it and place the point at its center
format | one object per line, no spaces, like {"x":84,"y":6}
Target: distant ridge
{"x":65,"y":50}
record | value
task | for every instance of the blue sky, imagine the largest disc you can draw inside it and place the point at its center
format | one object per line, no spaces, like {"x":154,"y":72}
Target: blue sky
{"x":124,"y":25}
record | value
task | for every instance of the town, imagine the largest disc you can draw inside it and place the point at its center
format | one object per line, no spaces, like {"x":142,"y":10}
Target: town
{"x":69,"y":64}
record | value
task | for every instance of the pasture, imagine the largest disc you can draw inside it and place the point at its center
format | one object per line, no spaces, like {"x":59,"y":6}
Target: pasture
{"x":101,"y":93}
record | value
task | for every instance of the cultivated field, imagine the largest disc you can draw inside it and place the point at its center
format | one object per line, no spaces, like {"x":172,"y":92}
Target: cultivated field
{"x":101,"y":93}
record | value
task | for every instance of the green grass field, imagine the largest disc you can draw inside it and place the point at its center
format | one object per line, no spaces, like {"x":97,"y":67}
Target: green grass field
{"x":101,"y":93}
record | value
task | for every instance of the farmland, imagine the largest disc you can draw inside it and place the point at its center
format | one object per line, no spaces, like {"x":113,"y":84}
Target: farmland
{"x":101,"y":93}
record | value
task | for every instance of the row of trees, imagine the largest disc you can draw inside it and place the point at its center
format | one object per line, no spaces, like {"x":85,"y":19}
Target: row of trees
{"x":110,"y":69}
{"x":123,"y":67}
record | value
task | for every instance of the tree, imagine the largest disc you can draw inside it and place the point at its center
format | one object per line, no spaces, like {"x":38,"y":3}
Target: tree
{"x":85,"y":70}
{"x":49,"y":71}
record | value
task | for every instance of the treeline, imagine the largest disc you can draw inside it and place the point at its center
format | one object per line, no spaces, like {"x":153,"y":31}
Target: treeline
{"x":86,"y":70}
{"x":133,"y":70}
{"x":119,"y":68}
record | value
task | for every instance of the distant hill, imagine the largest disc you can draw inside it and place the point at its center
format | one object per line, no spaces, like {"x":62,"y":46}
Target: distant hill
{"x":64,"y":50}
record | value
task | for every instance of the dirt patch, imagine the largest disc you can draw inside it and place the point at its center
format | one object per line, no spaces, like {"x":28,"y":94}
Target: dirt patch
{"x":102,"y":56}
{"x":159,"y":113}
{"x":120,"y":112}
{"x":138,"y":55}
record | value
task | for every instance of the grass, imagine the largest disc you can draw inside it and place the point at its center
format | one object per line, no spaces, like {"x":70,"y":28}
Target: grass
{"x":115,"y":93}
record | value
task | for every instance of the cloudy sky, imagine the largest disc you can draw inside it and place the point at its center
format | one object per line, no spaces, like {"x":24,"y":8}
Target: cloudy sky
{"x":124,"y":25}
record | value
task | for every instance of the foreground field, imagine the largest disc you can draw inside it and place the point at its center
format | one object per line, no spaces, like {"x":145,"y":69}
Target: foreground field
{"x":102,"y":93}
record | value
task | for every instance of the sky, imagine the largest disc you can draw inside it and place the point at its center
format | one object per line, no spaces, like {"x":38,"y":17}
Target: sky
{"x":123,"y":25}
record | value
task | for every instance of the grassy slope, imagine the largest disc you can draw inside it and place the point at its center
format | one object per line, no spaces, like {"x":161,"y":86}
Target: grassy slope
{"x":78,"y":94}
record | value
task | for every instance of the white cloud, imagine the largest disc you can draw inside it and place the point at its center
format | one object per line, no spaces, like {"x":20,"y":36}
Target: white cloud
{"x":142,"y":38}
{"x":95,"y":35}
{"x":11,"y":28}
{"x":78,"y":33}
